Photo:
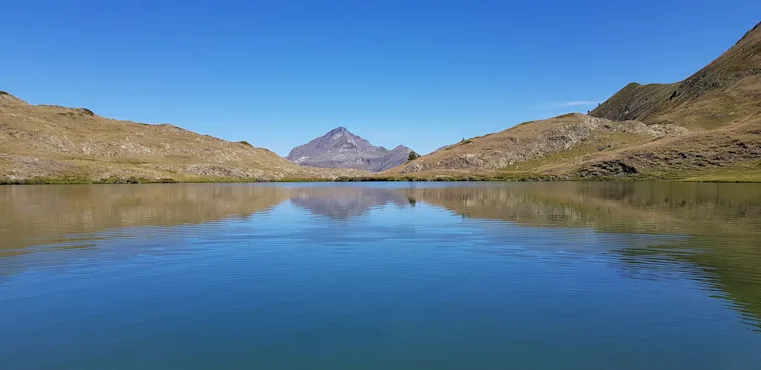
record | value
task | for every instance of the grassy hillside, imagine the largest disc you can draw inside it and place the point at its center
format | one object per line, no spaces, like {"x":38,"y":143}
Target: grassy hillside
{"x":635,"y":101}
{"x":707,"y":127}
{"x":547,"y":148}
{"x":54,"y":143}
{"x":733,"y":150}
{"x":726,"y":90}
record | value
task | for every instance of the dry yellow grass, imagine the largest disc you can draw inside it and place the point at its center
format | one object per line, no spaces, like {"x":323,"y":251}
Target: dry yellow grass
{"x":74,"y":144}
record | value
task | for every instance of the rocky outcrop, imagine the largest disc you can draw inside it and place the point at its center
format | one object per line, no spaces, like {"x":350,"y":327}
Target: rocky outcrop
{"x":693,"y":153}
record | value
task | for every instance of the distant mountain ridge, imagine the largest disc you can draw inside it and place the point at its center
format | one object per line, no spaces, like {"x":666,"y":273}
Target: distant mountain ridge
{"x":339,"y":148}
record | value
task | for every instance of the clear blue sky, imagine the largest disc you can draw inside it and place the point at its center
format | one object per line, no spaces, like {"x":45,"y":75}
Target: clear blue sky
{"x":422,"y":73}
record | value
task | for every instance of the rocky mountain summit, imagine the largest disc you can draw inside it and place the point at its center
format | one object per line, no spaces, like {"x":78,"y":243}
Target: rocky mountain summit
{"x":340,"y":148}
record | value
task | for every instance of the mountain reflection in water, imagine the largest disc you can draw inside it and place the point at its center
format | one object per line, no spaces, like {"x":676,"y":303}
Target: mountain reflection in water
{"x":712,"y":232}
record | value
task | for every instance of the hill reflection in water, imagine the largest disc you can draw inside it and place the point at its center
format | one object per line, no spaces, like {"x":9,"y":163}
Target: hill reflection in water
{"x":712,"y":232}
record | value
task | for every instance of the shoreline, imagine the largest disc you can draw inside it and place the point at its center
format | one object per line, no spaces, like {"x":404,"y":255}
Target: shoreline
{"x":137,"y":181}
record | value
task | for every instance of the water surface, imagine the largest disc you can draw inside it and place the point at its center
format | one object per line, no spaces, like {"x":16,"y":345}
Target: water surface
{"x":381,"y":276}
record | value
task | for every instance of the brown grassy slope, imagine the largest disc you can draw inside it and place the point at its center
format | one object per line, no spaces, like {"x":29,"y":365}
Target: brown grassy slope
{"x":720,"y":104}
{"x":529,"y":146}
{"x":635,"y":101}
{"x":717,"y":112}
{"x":698,"y":155}
{"x":725,"y":90}
{"x":55,"y":142}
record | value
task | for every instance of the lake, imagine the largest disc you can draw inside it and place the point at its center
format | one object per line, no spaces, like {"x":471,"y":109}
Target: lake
{"x":381,"y":276}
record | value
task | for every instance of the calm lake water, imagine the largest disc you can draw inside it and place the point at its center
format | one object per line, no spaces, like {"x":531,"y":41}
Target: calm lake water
{"x":381,"y":276}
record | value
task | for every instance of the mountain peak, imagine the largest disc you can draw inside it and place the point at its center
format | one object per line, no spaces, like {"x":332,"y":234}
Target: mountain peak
{"x":338,"y":130}
{"x":340,"y":148}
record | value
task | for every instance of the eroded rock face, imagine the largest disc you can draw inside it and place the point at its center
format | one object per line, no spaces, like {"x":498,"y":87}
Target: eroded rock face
{"x":340,"y":148}
{"x":612,"y":168}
